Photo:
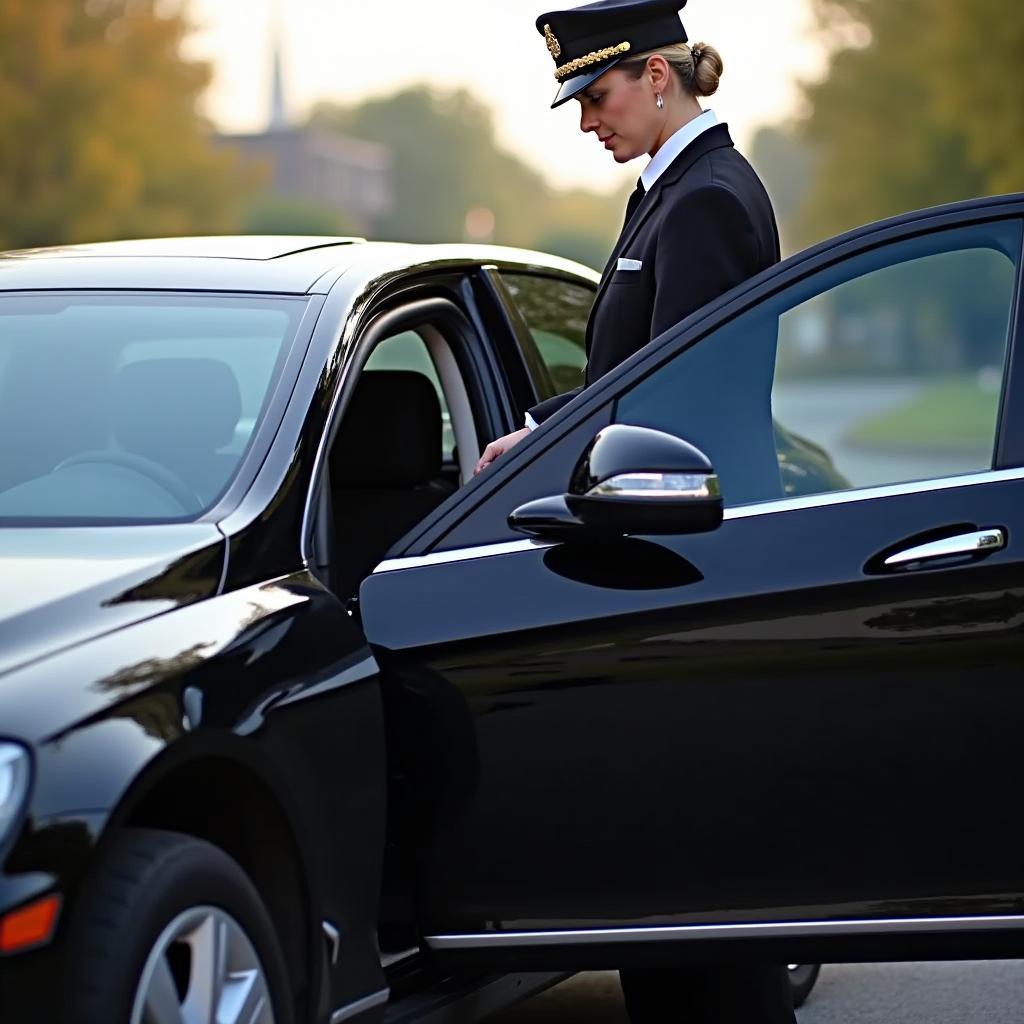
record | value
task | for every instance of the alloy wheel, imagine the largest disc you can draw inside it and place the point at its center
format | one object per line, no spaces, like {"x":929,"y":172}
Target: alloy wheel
{"x":203,"y":969}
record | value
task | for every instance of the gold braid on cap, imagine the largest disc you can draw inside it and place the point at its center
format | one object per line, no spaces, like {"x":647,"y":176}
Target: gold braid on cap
{"x":590,"y":58}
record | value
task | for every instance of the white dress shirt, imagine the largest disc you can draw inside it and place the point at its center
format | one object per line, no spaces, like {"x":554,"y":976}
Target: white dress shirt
{"x":671,"y":148}
{"x":674,"y":145}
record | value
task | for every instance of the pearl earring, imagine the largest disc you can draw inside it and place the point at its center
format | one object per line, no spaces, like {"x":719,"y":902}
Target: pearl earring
{"x":660,"y":100}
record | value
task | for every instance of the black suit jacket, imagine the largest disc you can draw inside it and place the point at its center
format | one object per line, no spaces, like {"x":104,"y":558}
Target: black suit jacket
{"x":705,"y":226}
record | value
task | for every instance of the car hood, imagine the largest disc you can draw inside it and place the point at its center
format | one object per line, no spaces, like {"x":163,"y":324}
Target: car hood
{"x":60,"y":586}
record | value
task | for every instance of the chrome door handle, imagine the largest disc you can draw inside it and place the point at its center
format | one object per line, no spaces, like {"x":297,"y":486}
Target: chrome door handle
{"x":963,"y":544}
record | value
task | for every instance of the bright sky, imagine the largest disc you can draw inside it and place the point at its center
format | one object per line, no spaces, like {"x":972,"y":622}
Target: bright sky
{"x":347,"y":49}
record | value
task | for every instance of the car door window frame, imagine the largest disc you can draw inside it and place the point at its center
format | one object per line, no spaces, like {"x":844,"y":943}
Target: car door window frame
{"x":716,"y":314}
{"x":1009,"y":450}
{"x":540,"y":376}
{"x":515,"y":356}
{"x":432,"y":314}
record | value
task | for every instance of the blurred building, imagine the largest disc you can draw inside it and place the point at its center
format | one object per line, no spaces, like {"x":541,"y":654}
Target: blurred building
{"x":316,"y":166}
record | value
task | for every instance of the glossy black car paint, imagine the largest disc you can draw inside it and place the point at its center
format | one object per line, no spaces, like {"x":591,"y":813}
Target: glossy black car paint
{"x":197,"y":676}
{"x":173,"y":721}
{"x":656,"y":703}
{"x":223,"y":719}
{"x":557,"y":772}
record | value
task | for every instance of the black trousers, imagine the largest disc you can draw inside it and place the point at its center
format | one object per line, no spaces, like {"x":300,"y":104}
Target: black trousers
{"x":708,"y":995}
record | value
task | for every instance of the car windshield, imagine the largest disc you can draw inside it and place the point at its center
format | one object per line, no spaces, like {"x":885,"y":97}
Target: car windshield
{"x":131,"y":408}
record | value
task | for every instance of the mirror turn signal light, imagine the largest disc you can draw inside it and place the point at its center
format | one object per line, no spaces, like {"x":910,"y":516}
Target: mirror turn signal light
{"x":28,"y":926}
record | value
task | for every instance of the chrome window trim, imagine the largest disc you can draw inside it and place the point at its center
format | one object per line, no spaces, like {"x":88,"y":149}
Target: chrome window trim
{"x":764,"y":508}
{"x":510,"y":547}
{"x":754,"y":930}
{"x":360,"y":1006}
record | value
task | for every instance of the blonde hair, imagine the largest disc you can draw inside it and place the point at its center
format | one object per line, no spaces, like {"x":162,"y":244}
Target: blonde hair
{"x":698,"y":67}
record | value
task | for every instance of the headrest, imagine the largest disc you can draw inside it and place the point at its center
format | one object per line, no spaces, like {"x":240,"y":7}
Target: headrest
{"x":167,"y":407}
{"x":391,"y":432}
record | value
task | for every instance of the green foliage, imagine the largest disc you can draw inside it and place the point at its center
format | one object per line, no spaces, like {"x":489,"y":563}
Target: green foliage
{"x":958,"y":414}
{"x":787,"y":165}
{"x":575,"y":244}
{"x":921,"y":105}
{"x":275,"y":215}
{"x":99,"y":133}
{"x":447,"y":161}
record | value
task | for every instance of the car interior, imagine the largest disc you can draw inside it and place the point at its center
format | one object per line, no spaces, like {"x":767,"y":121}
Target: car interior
{"x":129,"y":411}
{"x":407,"y":439}
{"x":132,"y":448}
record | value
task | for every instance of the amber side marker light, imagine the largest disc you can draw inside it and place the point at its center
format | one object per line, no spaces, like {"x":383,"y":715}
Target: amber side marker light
{"x":31,"y":925}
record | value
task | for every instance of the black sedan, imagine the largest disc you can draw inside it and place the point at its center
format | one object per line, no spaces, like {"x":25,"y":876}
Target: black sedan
{"x":300,"y":720}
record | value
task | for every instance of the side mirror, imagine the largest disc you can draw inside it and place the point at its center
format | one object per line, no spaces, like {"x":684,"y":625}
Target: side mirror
{"x":629,"y":480}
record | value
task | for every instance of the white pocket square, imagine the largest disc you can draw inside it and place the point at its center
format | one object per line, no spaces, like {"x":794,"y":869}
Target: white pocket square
{"x":625,"y":264}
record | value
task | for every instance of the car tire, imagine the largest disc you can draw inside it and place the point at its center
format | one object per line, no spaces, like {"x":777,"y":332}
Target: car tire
{"x":168,"y":917}
{"x":802,"y":978}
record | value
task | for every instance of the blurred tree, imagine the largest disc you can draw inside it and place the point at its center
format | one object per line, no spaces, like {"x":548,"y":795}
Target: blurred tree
{"x":99,"y":133}
{"x":447,"y":162}
{"x":275,"y":215}
{"x":583,"y":225}
{"x":573,"y":244}
{"x":444,"y":163}
{"x":787,"y":165}
{"x":921,"y":105}
{"x":978,"y":75}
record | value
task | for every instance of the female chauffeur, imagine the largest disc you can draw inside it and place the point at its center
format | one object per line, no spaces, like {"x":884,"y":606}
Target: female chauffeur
{"x":699,"y":222}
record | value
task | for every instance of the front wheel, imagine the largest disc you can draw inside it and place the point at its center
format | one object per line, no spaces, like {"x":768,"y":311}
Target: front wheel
{"x":172,"y":929}
{"x":802,"y":978}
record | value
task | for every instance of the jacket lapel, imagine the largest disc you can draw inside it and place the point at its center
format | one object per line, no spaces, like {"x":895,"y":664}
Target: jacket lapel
{"x":714,"y":138}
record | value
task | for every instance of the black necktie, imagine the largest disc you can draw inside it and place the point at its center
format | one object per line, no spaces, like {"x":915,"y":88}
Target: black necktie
{"x":634,"y":201}
{"x":631,"y":204}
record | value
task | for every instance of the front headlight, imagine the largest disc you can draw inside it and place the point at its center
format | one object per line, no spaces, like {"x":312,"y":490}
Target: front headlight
{"x":14,"y":776}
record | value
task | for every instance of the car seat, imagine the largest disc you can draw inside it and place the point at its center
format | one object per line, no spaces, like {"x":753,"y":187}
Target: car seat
{"x":178,"y":413}
{"x":385,"y":467}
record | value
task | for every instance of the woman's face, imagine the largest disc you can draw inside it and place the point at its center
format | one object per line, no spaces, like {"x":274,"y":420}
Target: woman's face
{"x":622,"y":112}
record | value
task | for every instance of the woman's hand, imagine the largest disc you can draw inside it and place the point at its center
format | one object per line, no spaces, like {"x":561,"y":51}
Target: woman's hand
{"x":499,"y":447}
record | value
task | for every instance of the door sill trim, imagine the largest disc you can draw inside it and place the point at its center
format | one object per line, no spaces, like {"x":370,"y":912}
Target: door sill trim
{"x":351,"y":1010}
{"x":764,"y":930}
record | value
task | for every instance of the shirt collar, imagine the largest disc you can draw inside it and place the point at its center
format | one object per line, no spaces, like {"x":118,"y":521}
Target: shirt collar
{"x":674,"y":145}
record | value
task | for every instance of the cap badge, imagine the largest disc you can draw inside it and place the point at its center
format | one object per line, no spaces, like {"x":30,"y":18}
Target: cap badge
{"x":554,"y":46}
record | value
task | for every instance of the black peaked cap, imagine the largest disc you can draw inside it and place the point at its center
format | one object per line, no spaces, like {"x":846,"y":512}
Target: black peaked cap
{"x":587,"y":41}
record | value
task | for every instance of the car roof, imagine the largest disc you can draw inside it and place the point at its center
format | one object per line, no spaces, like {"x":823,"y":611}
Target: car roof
{"x":283,"y":264}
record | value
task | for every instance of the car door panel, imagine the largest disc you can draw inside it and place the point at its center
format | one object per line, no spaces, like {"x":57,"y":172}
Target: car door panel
{"x":754,"y":740}
{"x":763,"y":724}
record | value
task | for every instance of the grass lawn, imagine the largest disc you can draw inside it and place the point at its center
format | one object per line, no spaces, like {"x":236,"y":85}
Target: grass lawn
{"x":955,"y":413}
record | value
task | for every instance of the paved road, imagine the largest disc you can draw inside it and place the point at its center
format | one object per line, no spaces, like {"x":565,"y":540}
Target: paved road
{"x":984,"y":992}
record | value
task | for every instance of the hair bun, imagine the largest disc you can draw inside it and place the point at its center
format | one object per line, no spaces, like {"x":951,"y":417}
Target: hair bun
{"x":707,"y":67}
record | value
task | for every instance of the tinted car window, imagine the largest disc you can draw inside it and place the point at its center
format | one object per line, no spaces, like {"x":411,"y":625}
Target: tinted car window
{"x":556,"y":313}
{"x":885,"y":368}
{"x":132,"y":407}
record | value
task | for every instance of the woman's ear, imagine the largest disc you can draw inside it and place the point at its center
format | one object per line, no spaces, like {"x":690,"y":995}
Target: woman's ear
{"x":659,"y":72}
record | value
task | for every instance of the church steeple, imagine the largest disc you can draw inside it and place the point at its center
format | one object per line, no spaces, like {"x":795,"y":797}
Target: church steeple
{"x":278,"y":109}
